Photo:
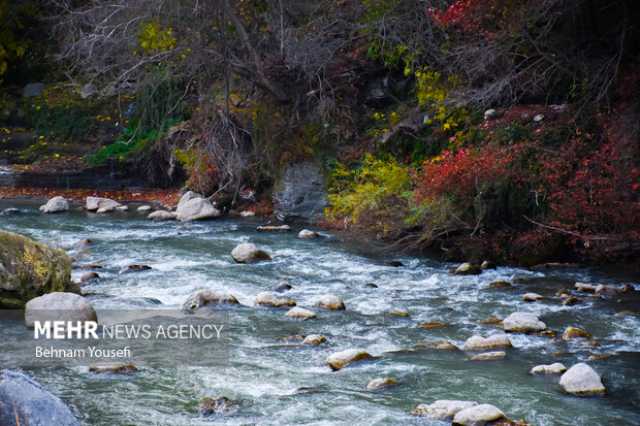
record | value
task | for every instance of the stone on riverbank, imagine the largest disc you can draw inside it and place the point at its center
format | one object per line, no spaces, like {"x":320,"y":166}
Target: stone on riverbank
{"x":331,"y":302}
{"x":24,"y":402}
{"x":342,"y":359}
{"x":208,"y":297}
{"x":29,"y":269}
{"x":477,"y":415}
{"x":186,"y":197}
{"x":555,"y":368}
{"x":479,"y":343}
{"x":249,"y":253}
{"x":55,"y":205}
{"x":523,"y":322}
{"x":162,"y":215}
{"x":300,"y":313}
{"x":196,"y":209}
{"x":59,"y":307}
{"x":582,"y":380}
{"x":266,"y":298}
{"x":443,"y":410}
{"x":306,"y":234}
{"x":381,"y":383}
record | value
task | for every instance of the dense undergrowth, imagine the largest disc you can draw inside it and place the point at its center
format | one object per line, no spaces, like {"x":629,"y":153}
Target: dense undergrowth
{"x":477,"y":128}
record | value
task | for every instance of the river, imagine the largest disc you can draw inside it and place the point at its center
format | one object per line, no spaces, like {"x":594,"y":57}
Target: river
{"x":286,"y":384}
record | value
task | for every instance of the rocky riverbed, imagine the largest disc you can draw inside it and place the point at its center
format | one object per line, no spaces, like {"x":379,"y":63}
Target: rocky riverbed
{"x":390,"y":335}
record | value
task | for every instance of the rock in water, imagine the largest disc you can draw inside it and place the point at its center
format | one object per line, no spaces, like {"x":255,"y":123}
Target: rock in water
{"x":25,"y":402}
{"x":575,"y":333}
{"x":314,"y":339}
{"x":144,"y":209}
{"x":268,"y":299}
{"x":381,"y":383}
{"x":273,"y":228}
{"x":249,"y":253}
{"x":59,"y":307}
{"x":305,"y":234}
{"x":555,"y":368}
{"x":489,"y":356}
{"x":479,"y":343}
{"x":443,"y":410}
{"x":162,"y":215}
{"x":331,"y":302}
{"x":29,"y":269}
{"x":219,"y":405}
{"x":468,"y":269}
{"x":196,"y":209}
{"x":477,"y":415}
{"x":300,"y":313}
{"x":532,"y":297}
{"x":340,"y":360}
{"x":55,"y":205}
{"x":582,"y":380}
{"x":301,"y":192}
{"x":208,"y":297}
{"x":101,"y":205}
{"x":115,"y":368}
{"x":523,"y":322}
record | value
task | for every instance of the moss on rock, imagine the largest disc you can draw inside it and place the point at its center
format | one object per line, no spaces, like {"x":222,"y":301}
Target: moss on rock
{"x":29,"y":269}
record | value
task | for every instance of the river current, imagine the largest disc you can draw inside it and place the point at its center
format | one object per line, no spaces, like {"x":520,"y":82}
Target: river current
{"x":279,"y":383}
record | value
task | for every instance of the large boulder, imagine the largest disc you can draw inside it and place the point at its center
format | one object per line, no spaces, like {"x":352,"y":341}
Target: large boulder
{"x":58,"y":307}
{"x":523,"y":322}
{"x":101,"y":205}
{"x":477,"y":415}
{"x":582,"y":380}
{"x":55,"y":205}
{"x":341,"y":359}
{"x":300,"y":192}
{"x":479,"y":343}
{"x":249,"y":253}
{"x":29,"y":269}
{"x":186,"y":197}
{"x":23,"y":402}
{"x":197,"y":209}
{"x":443,"y":410}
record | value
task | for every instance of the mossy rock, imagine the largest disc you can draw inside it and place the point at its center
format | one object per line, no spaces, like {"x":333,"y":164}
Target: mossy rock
{"x":29,"y":269}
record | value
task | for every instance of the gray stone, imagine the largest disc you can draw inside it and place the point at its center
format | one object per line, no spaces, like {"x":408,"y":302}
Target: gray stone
{"x":381,"y":383}
{"x":305,"y":234}
{"x":249,"y":253}
{"x":58,"y":307}
{"x":489,"y":356}
{"x":467,"y":269}
{"x":208,"y":297}
{"x":55,"y":205}
{"x":443,"y":410}
{"x":196,"y":209}
{"x":582,"y":380}
{"x":300,"y":192}
{"x":101,"y":205}
{"x":24,"y":402}
{"x":477,"y":415}
{"x":144,"y":209}
{"x":523,"y":322}
{"x":162,"y":215}
{"x":300,"y":313}
{"x":330,"y":302}
{"x":268,"y":299}
{"x":188,"y":196}
{"x":532,"y":297}
{"x":555,"y":368}
{"x":314,"y":339}
{"x":479,"y":343}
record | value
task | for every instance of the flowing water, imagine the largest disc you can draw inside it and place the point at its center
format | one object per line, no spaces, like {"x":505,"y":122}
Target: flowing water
{"x":283,"y":384}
